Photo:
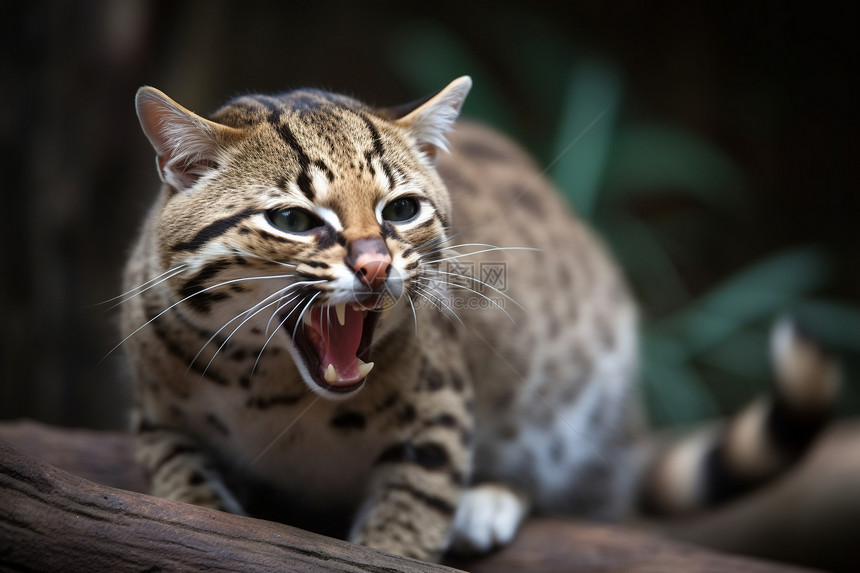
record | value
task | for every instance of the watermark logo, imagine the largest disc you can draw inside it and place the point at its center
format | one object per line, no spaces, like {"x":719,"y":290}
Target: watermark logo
{"x":483,"y":277}
{"x":494,"y":276}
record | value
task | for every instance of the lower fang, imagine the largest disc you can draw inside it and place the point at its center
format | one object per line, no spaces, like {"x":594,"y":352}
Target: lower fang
{"x":330,"y":374}
{"x":364,"y":368}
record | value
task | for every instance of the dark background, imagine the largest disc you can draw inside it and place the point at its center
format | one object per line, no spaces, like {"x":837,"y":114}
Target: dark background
{"x":715,"y":146}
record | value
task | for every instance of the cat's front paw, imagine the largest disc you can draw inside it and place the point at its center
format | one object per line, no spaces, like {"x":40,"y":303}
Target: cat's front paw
{"x":487,"y":518}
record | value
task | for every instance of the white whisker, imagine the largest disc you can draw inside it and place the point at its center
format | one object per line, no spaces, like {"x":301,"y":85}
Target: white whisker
{"x":175,"y":304}
{"x":442,"y":305}
{"x":280,"y":325}
{"x":143,"y":287}
{"x":483,"y":296}
{"x":471,"y":279}
{"x":280,"y":306}
{"x":414,"y":314}
{"x":254,"y":310}
{"x":490,"y":250}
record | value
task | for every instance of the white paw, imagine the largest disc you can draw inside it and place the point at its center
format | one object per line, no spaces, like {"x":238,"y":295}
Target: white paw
{"x":487,"y":518}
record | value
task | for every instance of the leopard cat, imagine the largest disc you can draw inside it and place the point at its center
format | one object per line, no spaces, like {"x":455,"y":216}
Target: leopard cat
{"x":340,"y":317}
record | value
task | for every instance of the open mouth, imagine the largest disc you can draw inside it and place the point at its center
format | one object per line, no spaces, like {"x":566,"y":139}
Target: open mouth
{"x":334,"y":342}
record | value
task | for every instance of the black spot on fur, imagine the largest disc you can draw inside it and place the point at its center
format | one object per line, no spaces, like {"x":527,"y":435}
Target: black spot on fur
{"x":378,"y":148}
{"x":304,"y":183}
{"x":213,"y":230}
{"x":325,"y":169}
{"x":434,"y":380}
{"x":445,"y":420}
{"x":407,"y":414}
{"x":271,"y":237}
{"x":177,"y":450}
{"x":432,"y":501}
{"x":194,"y":289}
{"x":457,"y":383}
{"x":276,"y":400}
{"x":430,"y":456}
{"x":349,"y":420}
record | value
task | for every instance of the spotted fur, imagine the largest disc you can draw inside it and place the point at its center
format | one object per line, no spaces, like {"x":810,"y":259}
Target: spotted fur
{"x":503,"y":343}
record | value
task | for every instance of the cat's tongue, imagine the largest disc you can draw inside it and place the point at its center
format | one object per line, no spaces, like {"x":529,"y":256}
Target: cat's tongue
{"x":337,"y":344}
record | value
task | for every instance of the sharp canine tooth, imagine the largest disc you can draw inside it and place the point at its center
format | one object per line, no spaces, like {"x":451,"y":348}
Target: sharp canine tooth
{"x":364,"y":368}
{"x":340,"y":309}
{"x":330,"y":374}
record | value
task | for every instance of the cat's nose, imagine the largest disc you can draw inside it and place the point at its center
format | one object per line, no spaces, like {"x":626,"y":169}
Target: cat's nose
{"x":370,"y":260}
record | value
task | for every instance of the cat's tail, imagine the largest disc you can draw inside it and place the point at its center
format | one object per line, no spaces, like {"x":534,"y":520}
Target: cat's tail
{"x":719,"y":463}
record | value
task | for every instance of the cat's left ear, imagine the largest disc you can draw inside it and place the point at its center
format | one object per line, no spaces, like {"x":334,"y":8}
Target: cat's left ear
{"x":188,"y":146}
{"x":428,"y":120}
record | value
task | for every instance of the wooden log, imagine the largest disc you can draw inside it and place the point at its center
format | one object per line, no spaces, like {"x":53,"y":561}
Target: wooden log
{"x":51,"y":520}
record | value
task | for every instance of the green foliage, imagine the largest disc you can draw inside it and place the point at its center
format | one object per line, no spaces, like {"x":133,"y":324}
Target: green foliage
{"x":704,"y":353}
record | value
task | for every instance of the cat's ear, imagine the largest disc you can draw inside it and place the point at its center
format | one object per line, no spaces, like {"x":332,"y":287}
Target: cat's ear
{"x":429,"y":119}
{"x":187,"y":145}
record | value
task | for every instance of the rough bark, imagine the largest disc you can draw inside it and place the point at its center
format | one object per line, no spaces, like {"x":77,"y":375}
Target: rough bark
{"x":51,"y":520}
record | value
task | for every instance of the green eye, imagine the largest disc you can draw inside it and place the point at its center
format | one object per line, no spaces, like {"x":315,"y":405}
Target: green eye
{"x":293,"y":220}
{"x":401,"y":209}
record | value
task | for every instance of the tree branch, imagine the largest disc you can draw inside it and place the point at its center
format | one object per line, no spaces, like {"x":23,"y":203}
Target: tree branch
{"x":51,"y":520}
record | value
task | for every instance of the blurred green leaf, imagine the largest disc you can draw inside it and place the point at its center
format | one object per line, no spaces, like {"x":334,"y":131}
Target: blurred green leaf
{"x":760,"y":291}
{"x":744,"y":354}
{"x":585,"y":131}
{"x":648,"y":157}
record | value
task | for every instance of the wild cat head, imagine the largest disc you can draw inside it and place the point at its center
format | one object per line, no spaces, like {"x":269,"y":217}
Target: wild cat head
{"x":300,"y":218}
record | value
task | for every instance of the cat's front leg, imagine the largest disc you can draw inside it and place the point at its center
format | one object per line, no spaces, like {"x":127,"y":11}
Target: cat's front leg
{"x":418,"y":480}
{"x":180,"y":470}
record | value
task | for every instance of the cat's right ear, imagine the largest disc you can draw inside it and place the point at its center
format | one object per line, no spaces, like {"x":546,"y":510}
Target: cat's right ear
{"x":187,"y":146}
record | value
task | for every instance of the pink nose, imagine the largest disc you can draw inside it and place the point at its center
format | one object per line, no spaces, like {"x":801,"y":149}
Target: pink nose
{"x":373,"y":273}
{"x":370,"y":260}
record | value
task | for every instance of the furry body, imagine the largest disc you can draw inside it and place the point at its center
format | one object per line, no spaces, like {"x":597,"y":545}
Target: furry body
{"x":500,"y":337}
